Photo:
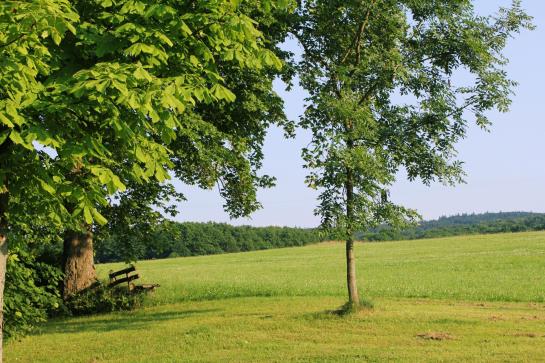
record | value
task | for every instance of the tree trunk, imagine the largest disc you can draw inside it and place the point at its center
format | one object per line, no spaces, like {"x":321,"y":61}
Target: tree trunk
{"x":3,"y":261}
{"x":78,"y":262}
{"x":4,"y":200}
{"x":353,"y":297}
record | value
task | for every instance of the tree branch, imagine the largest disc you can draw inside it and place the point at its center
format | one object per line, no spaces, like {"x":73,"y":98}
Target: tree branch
{"x":356,"y":43}
{"x":19,"y":37}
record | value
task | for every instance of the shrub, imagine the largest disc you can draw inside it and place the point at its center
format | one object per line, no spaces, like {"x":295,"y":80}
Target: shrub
{"x":31,"y":292}
{"x":100,"y":298}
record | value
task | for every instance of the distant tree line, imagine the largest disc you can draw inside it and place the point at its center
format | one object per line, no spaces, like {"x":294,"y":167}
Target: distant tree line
{"x":463,"y":224}
{"x":174,"y":239}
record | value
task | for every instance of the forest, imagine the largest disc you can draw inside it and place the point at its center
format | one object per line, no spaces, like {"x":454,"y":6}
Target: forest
{"x":174,"y":239}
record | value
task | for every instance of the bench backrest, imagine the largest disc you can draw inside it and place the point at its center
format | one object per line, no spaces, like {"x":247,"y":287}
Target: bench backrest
{"x":125,"y":271}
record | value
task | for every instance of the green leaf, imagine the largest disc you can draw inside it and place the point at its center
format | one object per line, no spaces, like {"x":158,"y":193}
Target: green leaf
{"x":193,"y":60}
{"x":141,"y":74}
{"x":56,"y":37}
{"x":185,"y":29}
{"x":87,"y":215}
{"x":160,"y":174}
{"x":3,"y":136}
{"x":140,"y":155}
{"x":118,"y":184}
{"x":222,"y":93}
{"x":99,"y":218}
{"x":17,"y":139}
{"x":6,"y":121}
{"x":47,"y":187}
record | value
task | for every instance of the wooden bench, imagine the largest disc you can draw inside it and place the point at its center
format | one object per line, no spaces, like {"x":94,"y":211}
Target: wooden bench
{"x":116,"y":279}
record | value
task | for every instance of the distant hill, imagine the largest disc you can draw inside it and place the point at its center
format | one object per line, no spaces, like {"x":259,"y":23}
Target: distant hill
{"x":465,"y":219}
{"x":462,"y":224}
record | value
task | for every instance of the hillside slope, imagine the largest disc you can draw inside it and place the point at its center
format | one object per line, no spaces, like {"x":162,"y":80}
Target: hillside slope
{"x":496,"y":267}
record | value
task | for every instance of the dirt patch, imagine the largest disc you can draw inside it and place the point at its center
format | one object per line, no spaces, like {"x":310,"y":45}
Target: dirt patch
{"x":496,"y":318}
{"x":435,"y":336}
{"x":527,"y":335}
{"x":530,"y":317}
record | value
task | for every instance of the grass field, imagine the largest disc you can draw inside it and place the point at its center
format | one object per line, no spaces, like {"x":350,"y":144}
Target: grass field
{"x":472,"y":298}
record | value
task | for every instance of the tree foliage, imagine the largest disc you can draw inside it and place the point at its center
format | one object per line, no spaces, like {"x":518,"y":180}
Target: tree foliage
{"x":173,"y":239}
{"x":224,"y":148}
{"x":109,"y":98}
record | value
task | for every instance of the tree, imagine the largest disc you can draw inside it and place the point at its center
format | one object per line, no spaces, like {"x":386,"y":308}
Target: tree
{"x":386,"y":94}
{"x":92,"y":93}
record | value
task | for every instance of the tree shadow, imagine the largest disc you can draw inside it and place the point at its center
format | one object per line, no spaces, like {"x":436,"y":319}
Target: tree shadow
{"x":344,"y":311}
{"x":136,"y":320}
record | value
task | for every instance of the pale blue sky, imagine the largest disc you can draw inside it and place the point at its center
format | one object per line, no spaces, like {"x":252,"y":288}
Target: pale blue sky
{"x":506,"y":168}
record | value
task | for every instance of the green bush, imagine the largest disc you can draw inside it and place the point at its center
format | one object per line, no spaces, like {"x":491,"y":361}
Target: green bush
{"x":100,"y":298}
{"x":31,"y":292}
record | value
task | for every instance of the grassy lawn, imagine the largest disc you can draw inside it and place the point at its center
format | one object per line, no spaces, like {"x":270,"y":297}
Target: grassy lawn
{"x":477,"y":298}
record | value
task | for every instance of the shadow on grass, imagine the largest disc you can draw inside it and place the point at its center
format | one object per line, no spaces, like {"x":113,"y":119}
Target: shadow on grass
{"x":136,"y":320}
{"x":350,"y":308}
{"x":346,"y":310}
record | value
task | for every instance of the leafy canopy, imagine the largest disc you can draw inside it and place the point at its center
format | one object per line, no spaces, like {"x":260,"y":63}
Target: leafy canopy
{"x":94,"y":93}
{"x":393,"y":85}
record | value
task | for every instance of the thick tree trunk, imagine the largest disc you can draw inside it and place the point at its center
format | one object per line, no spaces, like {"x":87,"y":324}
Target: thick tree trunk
{"x":78,"y":262}
{"x":3,"y":261}
{"x":353,"y":297}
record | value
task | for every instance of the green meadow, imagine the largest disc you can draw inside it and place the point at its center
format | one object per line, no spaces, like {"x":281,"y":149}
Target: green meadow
{"x":469,"y":298}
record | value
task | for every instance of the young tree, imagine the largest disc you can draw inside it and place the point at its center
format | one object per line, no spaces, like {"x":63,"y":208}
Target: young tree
{"x":386,"y":94}
{"x":92,"y":93}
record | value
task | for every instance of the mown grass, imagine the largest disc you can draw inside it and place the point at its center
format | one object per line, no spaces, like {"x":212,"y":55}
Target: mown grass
{"x":282,"y":329}
{"x":478,"y":298}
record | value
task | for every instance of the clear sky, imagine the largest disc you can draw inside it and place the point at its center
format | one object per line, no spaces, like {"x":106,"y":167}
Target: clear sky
{"x":505,"y":167}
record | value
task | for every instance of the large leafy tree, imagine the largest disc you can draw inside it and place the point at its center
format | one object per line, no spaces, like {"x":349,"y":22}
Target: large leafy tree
{"x":393,"y":85}
{"x":184,"y":45}
{"x":93,"y":93}
{"x":218,"y":143}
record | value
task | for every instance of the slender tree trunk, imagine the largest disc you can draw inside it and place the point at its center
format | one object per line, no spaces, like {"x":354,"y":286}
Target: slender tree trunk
{"x":78,"y":262}
{"x":3,"y":261}
{"x":4,"y":200}
{"x":353,"y":297}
